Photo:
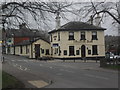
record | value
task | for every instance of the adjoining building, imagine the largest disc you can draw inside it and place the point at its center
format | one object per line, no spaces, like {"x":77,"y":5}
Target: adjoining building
{"x":38,"y":48}
{"x":13,"y":37}
{"x":77,"y":40}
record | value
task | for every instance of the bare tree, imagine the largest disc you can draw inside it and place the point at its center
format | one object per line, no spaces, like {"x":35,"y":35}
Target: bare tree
{"x":42,"y":11}
{"x":16,"y":11}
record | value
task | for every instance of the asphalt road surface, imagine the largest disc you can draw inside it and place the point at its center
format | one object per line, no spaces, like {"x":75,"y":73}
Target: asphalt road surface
{"x":67,"y":74}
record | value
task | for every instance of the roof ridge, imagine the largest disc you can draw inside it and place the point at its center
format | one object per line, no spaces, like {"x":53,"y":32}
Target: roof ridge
{"x":77,"y":25}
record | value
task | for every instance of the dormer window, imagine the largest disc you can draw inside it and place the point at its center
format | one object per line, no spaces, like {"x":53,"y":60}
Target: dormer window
{"x":94,"y":35}
{"x":82,"y":36}
{"x":71,"y":35}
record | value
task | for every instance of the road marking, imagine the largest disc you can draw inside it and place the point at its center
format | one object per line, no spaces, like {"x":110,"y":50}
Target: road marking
{"x":94,"y":76}
{"x":19,"y":60}
{"x":41,"y":65}
{"x":38,"y":83}
{"x":20,"y":67}
{"x":61,"y":69}
{"x":67,"y":70}
{"x":50,"y":67}
{"x":59,"y":74}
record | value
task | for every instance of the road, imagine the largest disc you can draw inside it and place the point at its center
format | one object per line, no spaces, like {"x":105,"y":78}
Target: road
{"x":66,"y":74}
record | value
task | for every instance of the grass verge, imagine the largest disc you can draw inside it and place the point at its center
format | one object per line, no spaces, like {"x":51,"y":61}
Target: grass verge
{"x":8,"y":81}
{"x":113,"y":67}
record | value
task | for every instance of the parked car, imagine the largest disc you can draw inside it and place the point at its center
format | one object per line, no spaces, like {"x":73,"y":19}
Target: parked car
{"x":116,"y":56}
{"x":111,"y":55}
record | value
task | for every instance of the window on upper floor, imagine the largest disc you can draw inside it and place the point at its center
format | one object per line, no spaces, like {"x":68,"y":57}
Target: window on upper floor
{"x":83,"y":36}
{"x":55,"y":37}
{"x":58,"y":36}
{"x":71,"y":35}
{"x":94,"y":35}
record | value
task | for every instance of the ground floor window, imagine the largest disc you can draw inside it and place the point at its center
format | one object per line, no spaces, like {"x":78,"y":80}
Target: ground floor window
{"x":51,"y":51}
{"x":71,"y":51}
{"x":59,"y":51}
{"x":42,"y":50}
{"x":27,"y":50}
{"x":94,"y":50}
{"x":21,"y":50}
{"x":47,"y":52}
{"x":14,"y":50}
{"x":77,"y":52}
{"x":89,"y":52}
{"x":65,"y":52}
{"x":55,"y":50}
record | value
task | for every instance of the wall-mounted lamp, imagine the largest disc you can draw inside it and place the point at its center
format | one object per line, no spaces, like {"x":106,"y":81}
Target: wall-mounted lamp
{"x":87,"y":48}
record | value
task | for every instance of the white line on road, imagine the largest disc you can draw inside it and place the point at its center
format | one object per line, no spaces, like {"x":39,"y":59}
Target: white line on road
{"x":50,"y":67}
{"x":59,"y":74}
{"x":67,"y":71}
{"x":20,"y":67}
{"x":41,"y":65}
{"x":19,"y":60}
{"x":61,"y":69}
{"x":94,"y":76}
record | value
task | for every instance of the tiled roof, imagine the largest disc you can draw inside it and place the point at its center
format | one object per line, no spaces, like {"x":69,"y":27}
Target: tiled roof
{"x":28,"y":42}
{"x":22,"y":32}
{"x":31,"y":33}
{"x":25,"y":42}
{"x":77,"y":26}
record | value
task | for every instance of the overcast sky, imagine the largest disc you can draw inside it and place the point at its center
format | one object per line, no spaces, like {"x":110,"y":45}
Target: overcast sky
{"x":111,"y":29}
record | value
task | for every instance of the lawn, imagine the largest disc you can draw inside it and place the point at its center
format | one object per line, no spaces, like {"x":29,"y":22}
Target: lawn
{"x":114,"y":67}
{"x":8,"y":81}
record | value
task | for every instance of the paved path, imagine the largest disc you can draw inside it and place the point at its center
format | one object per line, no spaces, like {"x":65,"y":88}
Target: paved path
{"x":63,"y":74}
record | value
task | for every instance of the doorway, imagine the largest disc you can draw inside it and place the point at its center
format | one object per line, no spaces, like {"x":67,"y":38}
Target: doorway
{"x":83,"y":51}
{"x":71,"y":51}
{"x":37,"y":51}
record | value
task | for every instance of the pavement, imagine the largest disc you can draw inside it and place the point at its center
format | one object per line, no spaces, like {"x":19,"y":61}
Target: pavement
{"x":27,"y":78}
{"x":58,"y":74}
